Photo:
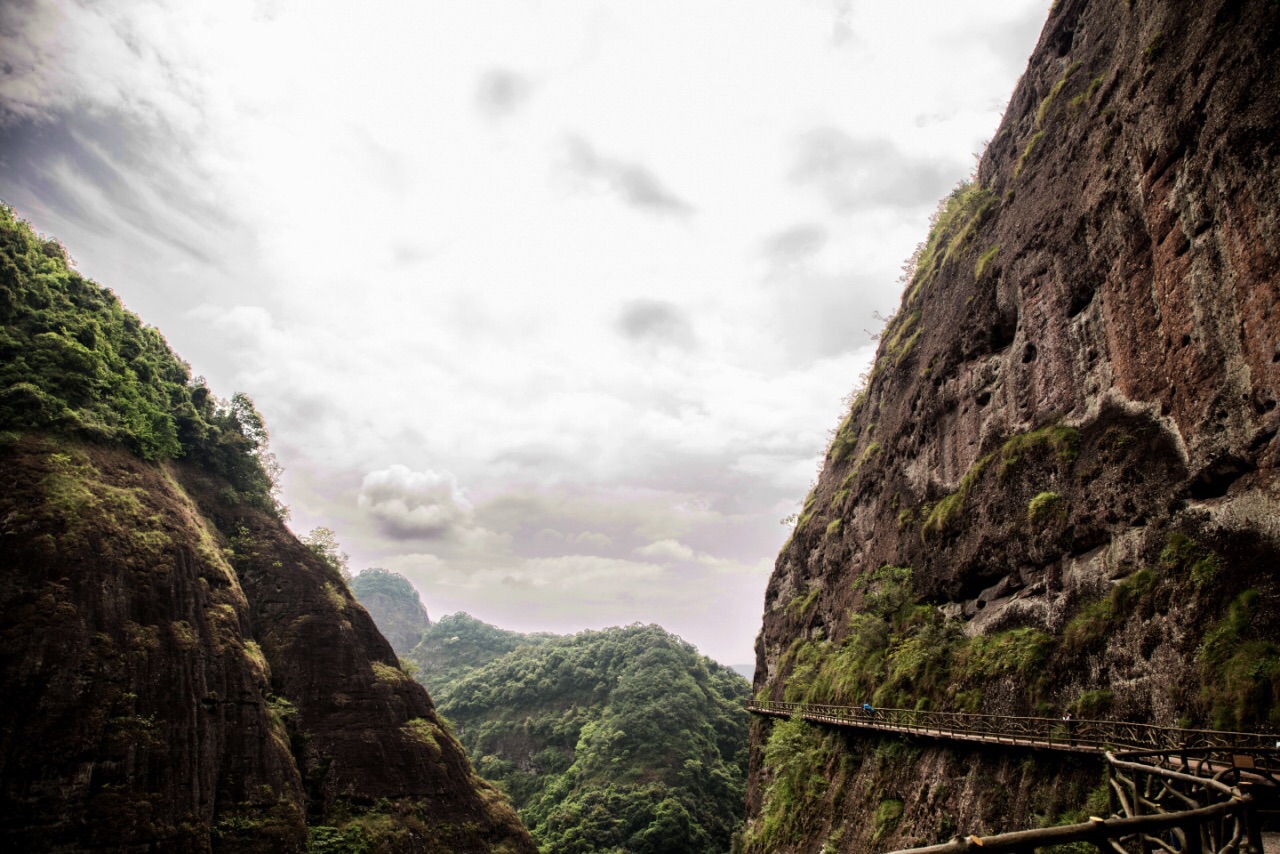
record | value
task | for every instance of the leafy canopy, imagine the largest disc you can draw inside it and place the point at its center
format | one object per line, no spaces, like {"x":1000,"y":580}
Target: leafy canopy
{"x":620,"y":740}
{"x":75,"y":362}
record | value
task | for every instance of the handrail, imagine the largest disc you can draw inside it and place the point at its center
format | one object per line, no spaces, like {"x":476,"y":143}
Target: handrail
{"x":1167,"y":789}
{"x":1078,"y":735}
{"x":1225,"y":825}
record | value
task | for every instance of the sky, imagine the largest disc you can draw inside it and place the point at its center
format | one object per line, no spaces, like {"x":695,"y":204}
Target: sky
{"x":551,"y":306}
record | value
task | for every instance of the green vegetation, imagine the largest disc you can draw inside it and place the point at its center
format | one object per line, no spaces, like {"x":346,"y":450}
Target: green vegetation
{"x":376,"y":580}
{"x":947,"y":508}
{"x":1240,"y":667}
{"x":1155,"y":47}
{"x":1042,"y":113}
{"x":1099,"y":619}
{"x":958,"y":219}
{"x":1077,"y":103}
{"x":800,"y":605}
{"x":1026,"y":152}
{"x":901,"y":653}
{"x":1042,"y":507}
{"x":1064,"y":441}
{"x":904,"y":338}
{"x":1184,"y":554}
{"x":1092,"y":704}
{"x":796,"y":758}
{"x":323,"y":542}
{"x":323,"y":839}
{"x":395,"y":606}
{"x":984,"y":261}
{"x":623,"y":739}
{"x":987,"y":657}
{"x":887,"y":816}
{"x":74,"y":362}
{"x":457,"y":645}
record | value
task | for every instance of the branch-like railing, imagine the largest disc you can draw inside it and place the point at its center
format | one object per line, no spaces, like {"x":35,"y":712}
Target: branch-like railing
{"x":1079,"y":735}
{"x":1155,"y":809}
{"x":1182,"y":791}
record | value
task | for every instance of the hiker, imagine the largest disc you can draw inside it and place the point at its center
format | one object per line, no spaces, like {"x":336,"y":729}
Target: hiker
{"x":1070,"y":721}
{"x":868,"y":710}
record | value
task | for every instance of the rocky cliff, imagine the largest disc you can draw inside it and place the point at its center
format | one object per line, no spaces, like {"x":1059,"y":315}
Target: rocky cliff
{"x":1057,"y":489}
{"x":180,"y":673}
{"x":395,"y":606}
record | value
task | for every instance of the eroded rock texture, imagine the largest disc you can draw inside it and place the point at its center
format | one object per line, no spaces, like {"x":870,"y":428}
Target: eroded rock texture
{"x":1066,"y":453}
{"x":181,"y":674}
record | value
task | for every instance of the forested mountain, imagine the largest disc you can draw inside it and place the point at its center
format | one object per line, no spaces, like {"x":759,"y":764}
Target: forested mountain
{"x":1058,"y":489}
{"x":180,"y":672}
{"x":618,"y":740}
{"x":395,"y":606}
{"x":459,"y":644}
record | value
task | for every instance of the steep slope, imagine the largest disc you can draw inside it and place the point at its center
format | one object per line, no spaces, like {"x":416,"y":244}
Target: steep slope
{"x":395,"y":606}
{"x":619,"y":740}
{"x":1058,"y":488}
{"x":181,"y":674}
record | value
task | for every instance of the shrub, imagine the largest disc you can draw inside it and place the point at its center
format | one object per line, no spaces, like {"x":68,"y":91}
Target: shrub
{"x":1042,"y":507}
{"x":985,"y":261}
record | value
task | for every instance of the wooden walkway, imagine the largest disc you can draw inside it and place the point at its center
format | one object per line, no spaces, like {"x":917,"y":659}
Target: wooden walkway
{"x":1176,"y":790}
{"x":1081,"y":736}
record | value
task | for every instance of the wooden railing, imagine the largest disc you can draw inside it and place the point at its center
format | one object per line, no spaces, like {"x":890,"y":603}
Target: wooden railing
{"x":1094,"y":736}
{"x":1154,"y":809}
{"x":1181,"y":791}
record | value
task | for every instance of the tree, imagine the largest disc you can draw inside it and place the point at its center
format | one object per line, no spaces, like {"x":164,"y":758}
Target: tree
{"x":324,"y":542}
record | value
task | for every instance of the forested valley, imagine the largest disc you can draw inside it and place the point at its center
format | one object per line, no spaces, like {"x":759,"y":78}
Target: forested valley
{"x":624,"y":739}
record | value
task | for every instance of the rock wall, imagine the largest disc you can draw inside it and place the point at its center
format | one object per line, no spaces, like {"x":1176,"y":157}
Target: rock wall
{"x":181,"y":674}
{"x":1058,"y":488}
{"x":395,"y":606}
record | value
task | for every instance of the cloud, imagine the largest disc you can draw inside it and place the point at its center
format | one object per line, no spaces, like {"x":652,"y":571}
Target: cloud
{"x":500,"y":92}
{"x":796,"y":244}
{"x":393,"y":278}
{"x":416,"y":505}
{"x":115,"y":175}
{"x":589,"y":539}
{"x":860,"y":174}
{"x":667,"y":550}
{"x":633,"y":183}
{"x":655,"y":322}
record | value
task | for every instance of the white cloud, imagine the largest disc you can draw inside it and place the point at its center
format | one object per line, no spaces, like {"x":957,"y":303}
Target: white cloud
{"x":667,"y":550}
{"x":416,"y":505}
{"x":611,"y":267}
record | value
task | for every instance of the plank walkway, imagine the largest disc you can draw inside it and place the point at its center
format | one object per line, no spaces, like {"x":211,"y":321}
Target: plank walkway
{"x":1167,"y":783}
{"x":1079,"y":736}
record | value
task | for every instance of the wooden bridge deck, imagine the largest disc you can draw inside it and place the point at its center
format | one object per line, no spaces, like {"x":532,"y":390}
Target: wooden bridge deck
{"x":1171,"y":787}
{"x":1080,"y":736}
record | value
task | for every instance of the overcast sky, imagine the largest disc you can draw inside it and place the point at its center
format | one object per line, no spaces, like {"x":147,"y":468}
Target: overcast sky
{"x":551,"y":305}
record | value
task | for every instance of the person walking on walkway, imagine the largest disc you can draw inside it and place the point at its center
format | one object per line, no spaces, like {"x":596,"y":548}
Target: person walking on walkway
{"x":868,"y":710}
{"x":1070,"y":721}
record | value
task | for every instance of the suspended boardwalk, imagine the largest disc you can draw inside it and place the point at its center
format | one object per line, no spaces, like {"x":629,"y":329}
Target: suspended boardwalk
{"x":1176,"y":790}
{"x":1084,"y":736}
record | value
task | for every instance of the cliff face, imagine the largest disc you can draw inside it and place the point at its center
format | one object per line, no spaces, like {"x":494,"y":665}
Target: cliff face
{"x":395,"y":606}
{"x":1058,"y":489}
{"x":180,"y":673}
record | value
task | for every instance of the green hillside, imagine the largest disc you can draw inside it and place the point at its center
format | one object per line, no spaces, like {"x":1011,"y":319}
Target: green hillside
{"x":459,"y":644}
{"x":619,"y":740}
{"x":75,"y":362}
